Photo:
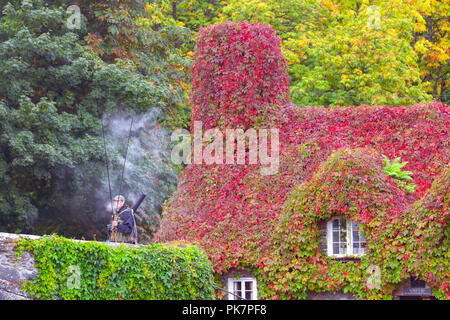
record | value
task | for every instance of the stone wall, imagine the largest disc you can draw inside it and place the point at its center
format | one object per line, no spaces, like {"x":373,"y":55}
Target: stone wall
{"x":414,"y":289}
{"x":13,"y":271}
{"x":323,"y":236}
{"x":330,"y":296}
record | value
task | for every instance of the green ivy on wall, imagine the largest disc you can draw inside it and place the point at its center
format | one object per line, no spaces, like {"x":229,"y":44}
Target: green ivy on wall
{"x":401,"y":243}
{"x":91,"y":270}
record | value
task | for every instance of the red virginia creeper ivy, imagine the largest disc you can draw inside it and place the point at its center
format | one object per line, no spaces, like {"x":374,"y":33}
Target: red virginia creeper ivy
{"x":328,"y":166}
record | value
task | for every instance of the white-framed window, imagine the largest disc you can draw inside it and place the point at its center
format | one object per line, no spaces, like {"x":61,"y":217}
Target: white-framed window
{"x":345,"y":238}
{"x":242,"y":287}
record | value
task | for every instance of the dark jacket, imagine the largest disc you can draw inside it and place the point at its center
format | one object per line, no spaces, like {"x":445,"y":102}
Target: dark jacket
{"x":125,"y":220}
{"x":125,"y":225}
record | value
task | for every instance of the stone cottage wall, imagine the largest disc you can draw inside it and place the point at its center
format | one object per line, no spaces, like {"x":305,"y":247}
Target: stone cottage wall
{"x":13,"y":271}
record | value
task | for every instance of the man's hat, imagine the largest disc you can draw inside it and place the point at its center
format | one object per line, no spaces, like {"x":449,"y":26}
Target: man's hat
{"x":119,"y":198}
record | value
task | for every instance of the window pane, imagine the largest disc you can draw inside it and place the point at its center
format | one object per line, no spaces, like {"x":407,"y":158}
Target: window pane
{"x":361,"y":235}
{"x":237,"y":289}
{"x":343,"y":236}
{"x":335,"y":248}
{"x":335,"y":236}
{"x":356,"y":233}
{"x":362,"y":248}
{"x":248,"y":285}
{"x":339,"y":236}
{"x":341,"y":230}
{"x":336,"y":224}
{"x":343,"y":248}
{"x":248,"y":295}
{"x":358,"y":240}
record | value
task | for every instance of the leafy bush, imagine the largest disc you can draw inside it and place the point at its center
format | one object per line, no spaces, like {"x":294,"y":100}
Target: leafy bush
{"x":156,"y":271}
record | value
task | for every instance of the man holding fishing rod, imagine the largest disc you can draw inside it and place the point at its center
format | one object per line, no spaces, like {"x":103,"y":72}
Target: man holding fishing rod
{"x":123,"y":226}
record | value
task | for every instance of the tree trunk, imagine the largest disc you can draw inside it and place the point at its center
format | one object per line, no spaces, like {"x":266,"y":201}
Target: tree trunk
{"x":174,"y":10}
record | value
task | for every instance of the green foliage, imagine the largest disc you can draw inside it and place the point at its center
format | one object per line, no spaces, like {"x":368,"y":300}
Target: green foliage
{"x":394,"y":169}
{"x":352,"y":64}
{"x":193,"y":14}
{"x":97,"y":271}
{"x":425,"y":232}
{"x":343,"y":52}
{"x":351,"y":184}
{"x":143,"y":36}
{"x":400,"y":243}
{"x":306,"y":149}
{"x":47,"y":119}
{"x":57,"y":83}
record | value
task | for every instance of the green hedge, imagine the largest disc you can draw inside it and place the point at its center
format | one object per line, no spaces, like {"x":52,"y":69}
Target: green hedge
{"x":71,"y":269}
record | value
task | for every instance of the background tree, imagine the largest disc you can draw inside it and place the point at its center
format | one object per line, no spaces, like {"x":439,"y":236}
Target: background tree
{"x":57,"y":84}
{"x":343,"y":52}
{"x":431,"y":42}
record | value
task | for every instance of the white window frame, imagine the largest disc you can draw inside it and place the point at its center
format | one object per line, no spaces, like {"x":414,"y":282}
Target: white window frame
{"x":349,"y":242}
{"x":230,"y":287}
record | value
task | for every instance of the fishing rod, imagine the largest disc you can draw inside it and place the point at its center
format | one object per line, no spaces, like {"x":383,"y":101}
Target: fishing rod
{"x":141,"y":198}
{"x":107,"y":172}
{"x":126,"y":153}
{"x":113,"y":233}
{"x":238,"y":296}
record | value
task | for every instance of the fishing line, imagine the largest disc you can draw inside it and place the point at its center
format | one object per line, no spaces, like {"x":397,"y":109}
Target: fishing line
{"x":239,"y":297}
{"x":107,"y":166}
{"x":126,"y":154}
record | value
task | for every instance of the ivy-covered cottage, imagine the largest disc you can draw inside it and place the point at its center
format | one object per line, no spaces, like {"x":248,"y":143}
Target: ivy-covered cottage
{"x":359,"y":205}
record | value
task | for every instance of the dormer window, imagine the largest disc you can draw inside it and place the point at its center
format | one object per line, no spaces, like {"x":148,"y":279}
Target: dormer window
{"x":345,"y":238}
